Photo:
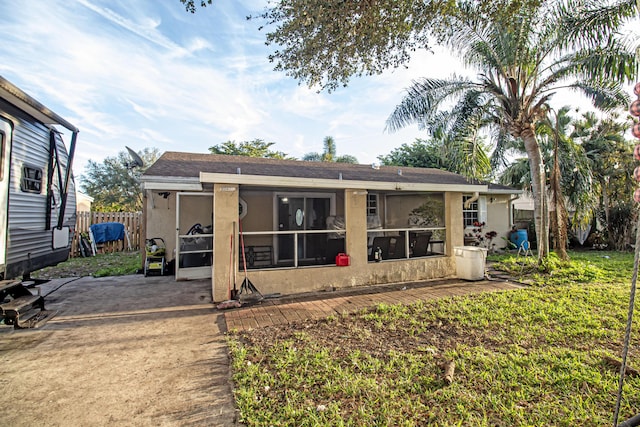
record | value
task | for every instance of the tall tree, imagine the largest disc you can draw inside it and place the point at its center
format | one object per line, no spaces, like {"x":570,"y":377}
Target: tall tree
{"x":329,"y":154}
{"x":190,"y":5}
{"x":253,"y":148}
{"x":325,"y":43}
{"x":466,"y":157}
{"x":421,"y":153}
{"x":555,"y":128}
{"x":115,"y":183}
{"x":522,"y":62}
{"x":610,"y":158}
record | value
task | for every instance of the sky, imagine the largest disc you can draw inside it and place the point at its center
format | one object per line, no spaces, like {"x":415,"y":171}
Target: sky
{"x":147,"y":74}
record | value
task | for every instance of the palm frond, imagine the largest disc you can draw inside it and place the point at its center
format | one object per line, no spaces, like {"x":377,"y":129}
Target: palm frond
{"x":587,"y":23}
{"x":423,"y":99}
{"x":605,"y":95}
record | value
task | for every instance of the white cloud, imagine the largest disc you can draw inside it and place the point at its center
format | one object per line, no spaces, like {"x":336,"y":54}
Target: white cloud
{"x":148,"y":74}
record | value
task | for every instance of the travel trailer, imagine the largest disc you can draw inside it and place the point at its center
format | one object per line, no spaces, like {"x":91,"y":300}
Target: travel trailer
{"x":37,"y":190}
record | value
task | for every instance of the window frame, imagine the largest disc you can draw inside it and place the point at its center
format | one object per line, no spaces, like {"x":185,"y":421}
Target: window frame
{"x":373,"y":208}
{"x":27,"y":182}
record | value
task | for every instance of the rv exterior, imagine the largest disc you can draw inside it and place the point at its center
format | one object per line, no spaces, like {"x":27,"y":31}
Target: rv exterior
{"x":37,"y":190}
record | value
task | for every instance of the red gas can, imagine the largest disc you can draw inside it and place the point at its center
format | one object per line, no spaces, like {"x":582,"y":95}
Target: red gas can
{"x":342,"y":260}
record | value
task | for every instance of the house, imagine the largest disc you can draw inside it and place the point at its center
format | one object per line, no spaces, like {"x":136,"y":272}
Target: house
{"x":285,"y":221}
{"x":83,"y":202}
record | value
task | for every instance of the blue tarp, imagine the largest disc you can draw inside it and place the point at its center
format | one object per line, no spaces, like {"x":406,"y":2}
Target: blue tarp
{"x":107,"y":232}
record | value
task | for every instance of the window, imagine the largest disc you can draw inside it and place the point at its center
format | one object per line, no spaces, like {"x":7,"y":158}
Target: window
{"x":469,"y":214}
{"x":31,"y":179}
{"x":476,"y":212}
{"x":372,"y":204}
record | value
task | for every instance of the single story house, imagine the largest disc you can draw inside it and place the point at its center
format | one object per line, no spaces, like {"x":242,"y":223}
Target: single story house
{"x":285,"y":221}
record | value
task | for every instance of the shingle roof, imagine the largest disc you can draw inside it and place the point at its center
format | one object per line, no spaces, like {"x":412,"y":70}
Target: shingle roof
{"x":189,"y":165}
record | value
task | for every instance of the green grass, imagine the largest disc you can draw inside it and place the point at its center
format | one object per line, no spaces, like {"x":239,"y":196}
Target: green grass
{"x":101,"y":265}
{"x":583,"y":267}
{"x":530,"y":357}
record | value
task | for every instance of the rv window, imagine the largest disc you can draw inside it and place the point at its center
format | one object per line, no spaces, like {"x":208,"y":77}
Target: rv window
{"x":31,"y":179}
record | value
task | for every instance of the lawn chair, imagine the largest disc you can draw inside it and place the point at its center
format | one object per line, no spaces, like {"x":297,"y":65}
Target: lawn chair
{"x":525,"y":248}
{"x":383,"y":243}
{"x":421,"y":244}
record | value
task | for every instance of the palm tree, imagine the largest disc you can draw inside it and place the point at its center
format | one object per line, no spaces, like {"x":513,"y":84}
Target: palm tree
{"x":555,"y":130}
{"x":329,"y":154}
{"x":609,"y":155}
{"x":571,"y":179}
{"x":521,"y":63}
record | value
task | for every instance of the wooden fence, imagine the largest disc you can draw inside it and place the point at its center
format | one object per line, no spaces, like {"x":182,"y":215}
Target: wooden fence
{"x":132,"y":223}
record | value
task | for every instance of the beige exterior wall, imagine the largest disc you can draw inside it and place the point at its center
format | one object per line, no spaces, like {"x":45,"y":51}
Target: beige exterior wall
{"x":453,"y":219}
{"x":161,"y":216}
{"x":359,"y":273}
{"x":83,"y":202}
{"x":259,"y":216}
{"x":225,"y":213}
{"x":161,"y":219}
{"x":499,"y":218}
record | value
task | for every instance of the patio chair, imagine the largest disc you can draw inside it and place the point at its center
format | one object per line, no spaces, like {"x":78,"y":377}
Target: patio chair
{"x":398,"y":249}
{"x":334,"y":247}
{"x":421,"y":244}
{"x":383,"y":243}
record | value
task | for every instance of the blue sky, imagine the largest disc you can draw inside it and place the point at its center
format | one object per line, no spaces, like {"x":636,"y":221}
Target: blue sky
{"x":146,"y":73}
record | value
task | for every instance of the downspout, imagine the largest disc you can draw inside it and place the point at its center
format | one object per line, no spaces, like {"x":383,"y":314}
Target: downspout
{"x":473,"y":198}
{"x":511,"y":210}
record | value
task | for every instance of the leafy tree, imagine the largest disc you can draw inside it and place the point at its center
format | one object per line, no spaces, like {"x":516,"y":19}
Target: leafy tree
{"x":325,"y":43}
{"x":610,"y":158}
{"x":555,"y":129}
{"x":115,"y":184}
{"x":594,"y":161}
{"x":421,"y":153}
{"x":329,"y":154}
{"x":522,"y":62}
{"x":190,"y":5}
{"x":468,"y":159}
{"x":253,"y":148}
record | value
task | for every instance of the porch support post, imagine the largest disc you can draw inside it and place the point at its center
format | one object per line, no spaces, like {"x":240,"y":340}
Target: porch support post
{"x":225,"y":213}
{"x":355,"y":209}
{"x":453,"y":220}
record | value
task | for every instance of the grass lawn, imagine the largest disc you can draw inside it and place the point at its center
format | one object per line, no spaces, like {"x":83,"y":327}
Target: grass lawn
{"x":101,"y":265}
{"x":531,"y":357}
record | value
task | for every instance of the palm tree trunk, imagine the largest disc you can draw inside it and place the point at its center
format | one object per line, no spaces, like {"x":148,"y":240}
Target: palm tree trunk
{"x":538,"y":181}
{"x":559,"y":223}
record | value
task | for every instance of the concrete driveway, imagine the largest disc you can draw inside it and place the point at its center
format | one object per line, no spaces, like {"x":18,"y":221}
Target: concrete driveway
{"x":129,"y":350}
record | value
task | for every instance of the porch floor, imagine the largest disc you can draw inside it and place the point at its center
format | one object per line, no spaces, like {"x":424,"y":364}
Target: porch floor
{"x":316,"y":305}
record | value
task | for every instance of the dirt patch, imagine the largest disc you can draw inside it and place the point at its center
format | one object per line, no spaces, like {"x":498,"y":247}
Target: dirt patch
{"x":127,"y":350}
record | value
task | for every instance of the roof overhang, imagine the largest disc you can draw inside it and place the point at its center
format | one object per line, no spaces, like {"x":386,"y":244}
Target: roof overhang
{"x":504,"y":191}
{"x":17,"y":97}
{"x":170,"y":183}
{"x":295,"y":182}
